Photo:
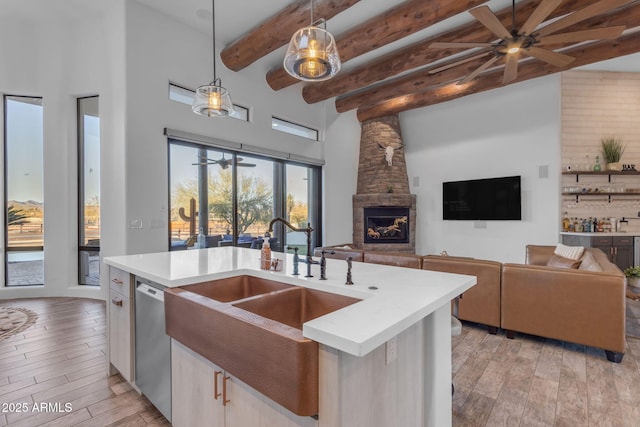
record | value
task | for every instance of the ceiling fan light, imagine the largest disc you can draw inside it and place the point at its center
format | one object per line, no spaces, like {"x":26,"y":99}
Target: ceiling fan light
{"x":312,"y":55}
{"x":513,"y":49}
{"x":212,"y":100}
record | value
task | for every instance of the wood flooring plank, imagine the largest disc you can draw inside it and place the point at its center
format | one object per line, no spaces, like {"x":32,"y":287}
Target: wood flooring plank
{"x":477,"y":410}
{"x":572,"y":404}
{"x":70,"y":419}
{"x":601,"y":390}
{"x":115,"y":413}
{"x":27,"y":392}
{"x":540,"y":408}
{"x":51,"y":394}
{"x":550,"y":360}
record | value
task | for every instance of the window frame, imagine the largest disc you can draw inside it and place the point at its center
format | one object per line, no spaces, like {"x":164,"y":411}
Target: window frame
{"x":279,"y":184}
{"x":39,"y":248}
{"x":80,"y":195}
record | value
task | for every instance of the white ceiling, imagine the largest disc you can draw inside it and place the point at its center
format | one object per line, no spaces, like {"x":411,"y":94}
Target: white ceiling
{"x":237,"y":17}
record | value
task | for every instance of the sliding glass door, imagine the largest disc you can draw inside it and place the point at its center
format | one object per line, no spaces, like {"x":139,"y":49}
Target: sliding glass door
{"x":233,"y":196}
{"x":24,"y":202}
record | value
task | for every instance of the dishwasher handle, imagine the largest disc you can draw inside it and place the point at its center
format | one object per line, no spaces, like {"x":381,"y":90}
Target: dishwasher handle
{"x":150,"y":291}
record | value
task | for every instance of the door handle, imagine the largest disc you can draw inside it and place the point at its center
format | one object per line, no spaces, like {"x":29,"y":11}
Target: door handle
{"x":224,"y":391}
{"x":216,"y":395}
{"x":117,"y":281}
{"x":117,"y":302}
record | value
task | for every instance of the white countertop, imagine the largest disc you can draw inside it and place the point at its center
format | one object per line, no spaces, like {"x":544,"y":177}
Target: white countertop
{"x":618,"y":233}
{"x":404,"y":296}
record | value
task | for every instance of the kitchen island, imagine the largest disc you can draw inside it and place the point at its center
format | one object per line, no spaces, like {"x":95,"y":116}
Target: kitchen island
{"x":385,"y":360}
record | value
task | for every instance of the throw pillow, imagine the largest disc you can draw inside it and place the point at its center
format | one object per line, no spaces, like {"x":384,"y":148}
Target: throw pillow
{"x":569,"y":252}
{"x":558,"y":261}
{"x":589,"y":263}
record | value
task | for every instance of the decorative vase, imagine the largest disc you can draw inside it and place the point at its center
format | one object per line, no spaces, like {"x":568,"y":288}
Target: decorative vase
{"x":634,"y":282}
{"x":617,"y":166}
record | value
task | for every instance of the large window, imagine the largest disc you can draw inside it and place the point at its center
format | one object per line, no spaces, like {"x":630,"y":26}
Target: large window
{"x":88,"y":191}
{"x":230,"y":197}
{"x":24,"y":203}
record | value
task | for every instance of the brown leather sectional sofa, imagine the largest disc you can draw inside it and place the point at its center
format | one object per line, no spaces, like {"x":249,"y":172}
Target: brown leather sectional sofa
{"x":584,"y":307}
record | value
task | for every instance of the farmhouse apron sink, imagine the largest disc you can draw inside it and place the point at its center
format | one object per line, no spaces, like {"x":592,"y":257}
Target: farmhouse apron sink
{"x":252,"y":328}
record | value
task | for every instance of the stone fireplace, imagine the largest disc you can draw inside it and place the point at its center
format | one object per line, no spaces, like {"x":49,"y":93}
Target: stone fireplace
{"x":384,"y":212}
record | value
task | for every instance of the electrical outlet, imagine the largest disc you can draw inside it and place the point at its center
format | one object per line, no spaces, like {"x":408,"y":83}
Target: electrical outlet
{"x":392,"y":350}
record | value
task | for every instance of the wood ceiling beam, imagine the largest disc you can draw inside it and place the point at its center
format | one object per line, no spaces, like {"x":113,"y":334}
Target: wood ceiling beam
{"x":584,"y":54}
{"x":420,"y":54}
{"x":418,"y":81}
{"x":276,"y":31}
{"x":392,"y":25}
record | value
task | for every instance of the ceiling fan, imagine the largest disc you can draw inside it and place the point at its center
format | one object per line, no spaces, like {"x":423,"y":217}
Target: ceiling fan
{"x":527,"y":39}
{"x":225,"y":163}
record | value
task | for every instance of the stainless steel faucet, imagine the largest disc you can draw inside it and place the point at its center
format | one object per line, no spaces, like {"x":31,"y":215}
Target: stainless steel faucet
{"x":308,"y":259}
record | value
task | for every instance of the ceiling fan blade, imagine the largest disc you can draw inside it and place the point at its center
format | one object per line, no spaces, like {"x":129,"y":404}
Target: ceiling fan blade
{"x":456,"y":63}
{"x":445,"y":45}
{"x":538,"y":16}
{"x":246,"y":165}
{"x":510,"y":68}
{"x":553,"y":58}
{"x":580,"y":15}
{"x":478,"y":71}
{"x":491,"y":21}
{"x":605,"y":33}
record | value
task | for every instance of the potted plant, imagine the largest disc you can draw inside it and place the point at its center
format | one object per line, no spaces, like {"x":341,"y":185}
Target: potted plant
{"x":633,"y":277}
{"x":612,"y":150}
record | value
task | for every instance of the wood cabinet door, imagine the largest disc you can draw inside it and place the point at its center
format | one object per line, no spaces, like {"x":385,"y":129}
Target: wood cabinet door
{"x":120,"y":334}
{"x":192,"y":389}
{"x":248,"y":407}
{"x":624,"y":256}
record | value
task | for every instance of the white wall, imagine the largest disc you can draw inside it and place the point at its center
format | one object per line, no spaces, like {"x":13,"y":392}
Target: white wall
{"x":61,"y":60}
{"x":340,"y":176}
{"x":160,"y":50}
{"x":509,"y":131}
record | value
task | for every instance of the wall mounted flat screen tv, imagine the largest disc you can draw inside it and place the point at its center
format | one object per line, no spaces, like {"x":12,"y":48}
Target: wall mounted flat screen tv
{"x":482,"y":199}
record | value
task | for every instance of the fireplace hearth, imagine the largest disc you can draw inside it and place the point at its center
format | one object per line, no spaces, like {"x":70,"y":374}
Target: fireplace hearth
{"x":386,"y":224}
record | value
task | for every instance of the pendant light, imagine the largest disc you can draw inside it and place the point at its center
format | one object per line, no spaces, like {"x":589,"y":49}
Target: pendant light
{"x":312,"y":54}
{"x":213,"y":100}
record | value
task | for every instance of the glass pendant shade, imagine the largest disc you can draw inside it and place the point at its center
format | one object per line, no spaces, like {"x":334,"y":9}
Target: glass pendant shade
{"x":212,"y":100}
{"x":312,"y":55}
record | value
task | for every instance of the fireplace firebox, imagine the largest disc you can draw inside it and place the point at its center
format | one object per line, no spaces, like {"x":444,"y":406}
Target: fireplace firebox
{"x":384,"y":224}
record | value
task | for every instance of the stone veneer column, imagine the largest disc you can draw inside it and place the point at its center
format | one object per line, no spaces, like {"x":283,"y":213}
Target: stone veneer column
{"x":375,"y":176}
{"x":381,"y":185}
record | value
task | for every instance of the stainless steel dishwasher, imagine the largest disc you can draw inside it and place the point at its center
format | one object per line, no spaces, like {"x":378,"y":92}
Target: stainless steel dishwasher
{"x":153,"y":346}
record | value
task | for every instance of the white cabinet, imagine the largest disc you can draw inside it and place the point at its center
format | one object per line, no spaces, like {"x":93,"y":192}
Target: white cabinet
{"x":120,"y":323}
{"x":204,"y":394}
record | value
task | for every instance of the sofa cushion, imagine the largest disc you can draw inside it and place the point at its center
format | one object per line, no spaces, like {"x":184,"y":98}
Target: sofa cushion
{"x":569,"y":252}
{"x":589,"y":263}
{"x":561,"y":262}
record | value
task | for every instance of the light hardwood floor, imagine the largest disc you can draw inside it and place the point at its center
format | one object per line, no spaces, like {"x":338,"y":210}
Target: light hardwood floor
{"x":528,"y":381}
{"x":62,"y":360}
{"x":532,"y":381}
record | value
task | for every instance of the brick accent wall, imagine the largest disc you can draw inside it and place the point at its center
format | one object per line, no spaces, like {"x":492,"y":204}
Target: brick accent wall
{"x":375,"y":176}
{"x":598,"y":104}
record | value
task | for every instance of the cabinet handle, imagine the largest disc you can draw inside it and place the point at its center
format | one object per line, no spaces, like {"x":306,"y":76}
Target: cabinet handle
{"x":117,"y":302}
{"x":117,"y":281}
{"x":216,"y":395}
{"x":224,"y":391}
